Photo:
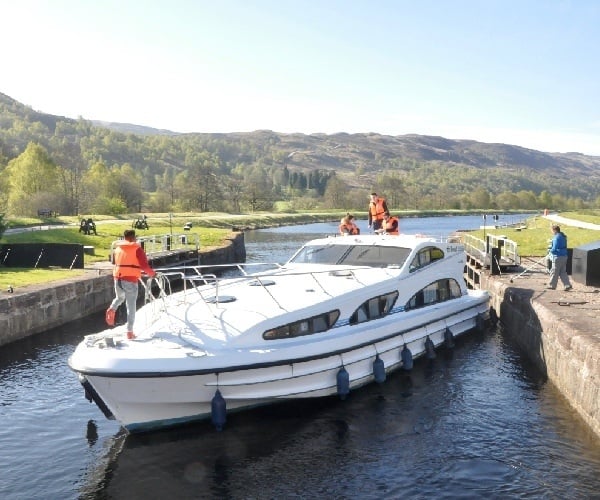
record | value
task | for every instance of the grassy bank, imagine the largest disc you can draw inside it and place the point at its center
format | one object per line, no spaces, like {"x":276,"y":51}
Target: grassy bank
{"x":533,"y":239}
{"x":213,"y":228}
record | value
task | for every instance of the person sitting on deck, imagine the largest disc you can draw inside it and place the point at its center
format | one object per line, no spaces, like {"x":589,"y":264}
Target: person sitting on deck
{"x":390,"y":225}
{"x":347,"y":225}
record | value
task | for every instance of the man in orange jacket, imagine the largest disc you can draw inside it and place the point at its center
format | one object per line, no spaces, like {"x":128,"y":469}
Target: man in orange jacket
{"x":377,"y":209}
{"x":390,"y":225}
{"x":129,"y":262}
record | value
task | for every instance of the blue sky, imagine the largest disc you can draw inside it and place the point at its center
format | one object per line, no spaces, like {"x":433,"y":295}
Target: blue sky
{"x":522,"y":72}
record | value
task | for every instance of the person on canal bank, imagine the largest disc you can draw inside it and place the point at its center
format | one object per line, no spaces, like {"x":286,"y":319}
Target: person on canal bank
{"x":559,"y":255}
{"x":390,"y":225}
{"x":129,"y":262}
{"x":348,"y":226}
{"x":377,"y":209}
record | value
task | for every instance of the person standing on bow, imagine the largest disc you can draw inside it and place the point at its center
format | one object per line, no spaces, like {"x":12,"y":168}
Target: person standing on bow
{"x":348,"y":226}
{"x":129,"y":262}
{"x":377,"y":209}
{"x":559,"y":255}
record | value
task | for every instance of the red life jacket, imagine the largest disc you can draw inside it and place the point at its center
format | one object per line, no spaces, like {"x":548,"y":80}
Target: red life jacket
{"x":127,"y":265}
{"x":349,"y":228}
{"x":390,"y":223}
{"x":376,"y":209}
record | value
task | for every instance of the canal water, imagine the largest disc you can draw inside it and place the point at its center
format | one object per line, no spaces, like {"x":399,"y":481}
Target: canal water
{"x":479,"y":421}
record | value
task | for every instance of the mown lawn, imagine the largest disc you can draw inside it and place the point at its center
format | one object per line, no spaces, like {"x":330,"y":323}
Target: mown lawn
{"x":213,"y":228}
{"x":533,"y":240}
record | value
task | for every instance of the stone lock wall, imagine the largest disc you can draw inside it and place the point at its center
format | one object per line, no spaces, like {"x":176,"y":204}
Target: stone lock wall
{"x":39,"y":309}
{"x":566,"y":351}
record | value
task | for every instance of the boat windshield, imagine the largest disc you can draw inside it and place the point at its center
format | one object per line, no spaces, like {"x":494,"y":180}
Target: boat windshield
{"x":352,"y":255}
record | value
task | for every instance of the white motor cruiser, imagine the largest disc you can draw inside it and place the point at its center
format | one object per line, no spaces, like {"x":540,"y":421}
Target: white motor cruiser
{"x":343,"y":312}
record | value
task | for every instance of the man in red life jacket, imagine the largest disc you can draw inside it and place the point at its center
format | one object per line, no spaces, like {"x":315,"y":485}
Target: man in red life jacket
{"x":129,"y":262}
{"x":390,"y":225}
{"x":377,"y":209}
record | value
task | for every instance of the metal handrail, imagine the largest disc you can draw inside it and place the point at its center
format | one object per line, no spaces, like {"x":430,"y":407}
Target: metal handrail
{"x":156,"y":244}
{"x":509,"y":251}
{"x":197,"y":276}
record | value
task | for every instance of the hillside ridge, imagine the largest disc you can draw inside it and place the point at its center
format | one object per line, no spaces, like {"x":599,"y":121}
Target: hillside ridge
{"x":357,"y":158}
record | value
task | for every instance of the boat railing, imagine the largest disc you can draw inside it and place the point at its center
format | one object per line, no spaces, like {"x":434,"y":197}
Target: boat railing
{"x":196,"y":277}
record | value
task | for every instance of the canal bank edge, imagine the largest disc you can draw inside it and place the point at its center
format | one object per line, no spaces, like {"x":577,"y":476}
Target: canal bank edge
{"x":38,"y":308}
{"x":559,"y":332}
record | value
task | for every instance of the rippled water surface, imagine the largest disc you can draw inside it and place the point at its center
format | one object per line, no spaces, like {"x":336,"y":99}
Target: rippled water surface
{"x":476,"y":422}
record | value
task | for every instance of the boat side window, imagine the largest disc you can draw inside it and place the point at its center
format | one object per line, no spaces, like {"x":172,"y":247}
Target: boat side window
{"x":438,"y":291}
{"x":426,"y":256}
{"x":374,"y":308}
{"x":308,"y":326}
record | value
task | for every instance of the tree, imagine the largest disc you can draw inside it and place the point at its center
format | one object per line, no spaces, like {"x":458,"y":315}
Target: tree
{"x":526,"y":200}
{"x":166,"y":184}
{"x":507,"y":200}
{"x":94,"y":186}
{"x":336,"y":193}
{"x":130,"y":187}
{"x":2,"y":225}
{"x":203,"y":191}
{"x":233,"y":187}
{"x":30,"y":175}
{"x":391,"y":183}
{"x":545,"y":200}
{"x":481,"y":198}
{"x":257,"y":189}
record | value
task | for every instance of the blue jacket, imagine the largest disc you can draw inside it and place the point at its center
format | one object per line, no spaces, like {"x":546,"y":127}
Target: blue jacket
{"x":559,"y":245}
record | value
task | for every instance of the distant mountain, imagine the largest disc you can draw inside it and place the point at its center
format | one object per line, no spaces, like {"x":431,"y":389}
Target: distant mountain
{"x":129,"y":128}
{"x":359,"y":159}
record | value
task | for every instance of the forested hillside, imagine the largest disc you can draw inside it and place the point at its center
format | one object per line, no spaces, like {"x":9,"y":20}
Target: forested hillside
{"x":78,"y":166}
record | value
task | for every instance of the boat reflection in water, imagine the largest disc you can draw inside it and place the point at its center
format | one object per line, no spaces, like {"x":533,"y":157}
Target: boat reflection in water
{"x":444,"y":430}
{"x":298,"y":447}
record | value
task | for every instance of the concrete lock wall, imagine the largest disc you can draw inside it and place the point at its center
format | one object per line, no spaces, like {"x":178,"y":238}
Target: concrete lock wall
{"x":569,"y":358}
{"x":42,"y":307}
{"x":23,"y":314}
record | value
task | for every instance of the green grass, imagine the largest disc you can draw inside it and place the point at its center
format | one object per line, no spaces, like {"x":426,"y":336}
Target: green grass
{"x":18,"y":277}
{"x":588,"y":215}
{"x":533,"y":241}
{"x":213,"y":228}
{"x":109,"y":229}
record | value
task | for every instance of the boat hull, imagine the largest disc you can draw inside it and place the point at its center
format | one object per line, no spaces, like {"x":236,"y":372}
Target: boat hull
{"x":147,"y":401}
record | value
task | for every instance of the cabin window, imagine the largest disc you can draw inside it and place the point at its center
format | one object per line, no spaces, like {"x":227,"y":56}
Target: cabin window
{"x":307,"y":326}
{"x":438,"y":291}
{"x":374,"y":308}
{"x":320,"y":254}
{"x":375,"y":256}
{"x":426,"y":256}
{"x":352,"y":255}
